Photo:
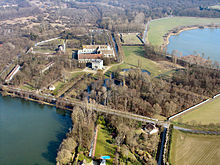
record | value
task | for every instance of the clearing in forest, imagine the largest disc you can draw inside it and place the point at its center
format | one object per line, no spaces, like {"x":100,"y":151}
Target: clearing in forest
{"x":187,"y":148}
{"x":158,"y":28}
{"x":205,"y":114}
{"x":130,"y":38}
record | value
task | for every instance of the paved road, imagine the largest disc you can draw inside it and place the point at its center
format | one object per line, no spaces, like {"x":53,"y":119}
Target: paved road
{"x":42,"y":42}
{"x":196,"y":131}
{"x":145,"y":32}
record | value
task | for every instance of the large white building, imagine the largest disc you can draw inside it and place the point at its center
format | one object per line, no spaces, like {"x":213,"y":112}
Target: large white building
{"x":90,"y":52}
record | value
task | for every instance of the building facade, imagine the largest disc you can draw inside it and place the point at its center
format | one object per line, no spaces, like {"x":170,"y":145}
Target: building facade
{"x":90,"y":52}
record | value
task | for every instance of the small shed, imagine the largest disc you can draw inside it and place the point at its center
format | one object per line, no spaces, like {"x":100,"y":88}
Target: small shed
{"x":60,"y":48}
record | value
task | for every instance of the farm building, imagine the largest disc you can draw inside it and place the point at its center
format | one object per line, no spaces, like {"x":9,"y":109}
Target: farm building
{"x":48,"y":66}
{"x":12,"y":73}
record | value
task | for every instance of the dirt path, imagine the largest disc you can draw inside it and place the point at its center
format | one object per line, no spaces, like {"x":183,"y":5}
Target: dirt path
{"x":109,"y":67}
{"x":95,"y":140}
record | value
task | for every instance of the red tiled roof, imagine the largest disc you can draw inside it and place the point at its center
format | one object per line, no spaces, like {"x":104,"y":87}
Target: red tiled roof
{"x":89,"y":56}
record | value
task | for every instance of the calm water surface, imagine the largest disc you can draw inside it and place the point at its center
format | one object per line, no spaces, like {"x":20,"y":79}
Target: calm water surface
{"x":196,"y":41}
{"x":30,"y":133}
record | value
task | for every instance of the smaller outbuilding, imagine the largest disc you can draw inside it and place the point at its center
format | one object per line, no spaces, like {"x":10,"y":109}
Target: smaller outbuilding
{"x":151,"y":129}
{"x":51,"y":88}
{"x":97,"y":64}
{"x":60,"y":48}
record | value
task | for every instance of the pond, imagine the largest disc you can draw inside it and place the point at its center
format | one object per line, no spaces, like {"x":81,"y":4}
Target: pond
{"x":142,"y":70}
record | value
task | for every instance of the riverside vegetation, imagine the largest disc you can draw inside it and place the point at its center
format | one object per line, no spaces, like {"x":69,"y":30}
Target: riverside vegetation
{"x":131,"y":144}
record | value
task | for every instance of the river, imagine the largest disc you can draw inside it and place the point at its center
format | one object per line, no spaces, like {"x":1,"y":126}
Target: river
{"x":30,"y":133}
{"x":195,"y":41}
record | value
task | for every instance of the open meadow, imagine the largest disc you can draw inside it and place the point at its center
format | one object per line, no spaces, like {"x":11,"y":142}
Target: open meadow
{"x":204,"y":114}
{"x":104,"y":147}
{"x":188,"y":149}
{"x":158,"y":28}
{"x":134,"y":58}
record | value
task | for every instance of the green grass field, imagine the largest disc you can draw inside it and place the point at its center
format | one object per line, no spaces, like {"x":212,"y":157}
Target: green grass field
{"x":130,"y":38}
{"x":188,"y":149}
{"x":159,"y":28}
{"x":204,"y":114}
{"x":135,"y":55}
{"x":27,"y":87}
{"x":103,"y":144}
{"x":216,"y":7}
{"x":58,"y":85}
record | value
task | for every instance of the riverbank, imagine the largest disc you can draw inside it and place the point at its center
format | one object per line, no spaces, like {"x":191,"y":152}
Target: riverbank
{"x":34,"y":100}
{"x":177,"y":31}
{"x":159,"y":27}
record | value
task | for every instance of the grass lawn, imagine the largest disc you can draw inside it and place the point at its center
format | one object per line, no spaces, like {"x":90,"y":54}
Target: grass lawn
{"x":43,"y":50}
{"x":188,"y":149}
{"x":27,"y":87}
{"x":58,"y":85}
{"x":71,"y":76}
{"x":103,"y":144}
{"x":159,"y":28}
{"x":204,"y":114}
{"x":61,"y":88}
{"x":133,"y":54}
{"x":130,"y":38}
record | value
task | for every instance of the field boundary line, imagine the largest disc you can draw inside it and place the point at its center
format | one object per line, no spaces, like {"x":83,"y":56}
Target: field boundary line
{"x":180,"y":113}
{"x":195,"y":106}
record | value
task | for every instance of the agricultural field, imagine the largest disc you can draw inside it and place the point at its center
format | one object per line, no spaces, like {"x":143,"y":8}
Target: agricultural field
{"x":158,"y":28}
{"x":187,"y":149}
{"x":205,"y":114}
{"x":134,"y":58}
{"x":130,"y":38}
{"x":103,"y":144}
{"x":216,"y":7}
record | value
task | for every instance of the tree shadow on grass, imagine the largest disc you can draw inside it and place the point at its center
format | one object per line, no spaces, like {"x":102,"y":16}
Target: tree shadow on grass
{"x":140,"y":52}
